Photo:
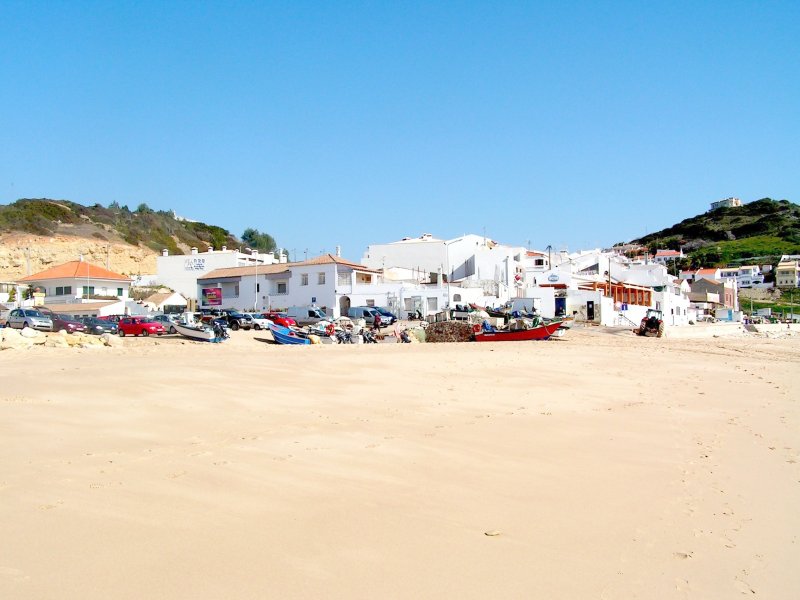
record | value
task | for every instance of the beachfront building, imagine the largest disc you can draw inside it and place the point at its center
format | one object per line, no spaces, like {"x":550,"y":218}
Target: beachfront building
{"x":726,"y":291}
{"x":78,"y":281}
{"x":181,"y":272}
{"x":478,"y":265}
{"x":328,"y":281}
{"x":787,"y":274}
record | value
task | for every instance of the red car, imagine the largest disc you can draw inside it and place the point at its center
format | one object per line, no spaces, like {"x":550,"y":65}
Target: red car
{"x":139,"y":326}
{"x":280,"y":319}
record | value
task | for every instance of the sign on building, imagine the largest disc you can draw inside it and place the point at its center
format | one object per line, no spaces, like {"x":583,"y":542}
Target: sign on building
{"x":212,"y":296}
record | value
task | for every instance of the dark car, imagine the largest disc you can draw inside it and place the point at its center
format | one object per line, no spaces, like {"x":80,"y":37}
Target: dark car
{"x":67,"y":323}
{"x":280,"y":319}
{"x":99,"y":326}
{"x":236,"y":320}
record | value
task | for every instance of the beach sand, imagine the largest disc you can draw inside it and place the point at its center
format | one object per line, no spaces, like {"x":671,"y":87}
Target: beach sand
{"x":603,"y":465}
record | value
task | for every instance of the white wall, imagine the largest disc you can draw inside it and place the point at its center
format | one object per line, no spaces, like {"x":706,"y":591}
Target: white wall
{"x":181,"y":271}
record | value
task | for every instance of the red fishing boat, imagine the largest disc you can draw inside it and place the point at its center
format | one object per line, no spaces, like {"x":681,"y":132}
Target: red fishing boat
{"x":542,"y":332}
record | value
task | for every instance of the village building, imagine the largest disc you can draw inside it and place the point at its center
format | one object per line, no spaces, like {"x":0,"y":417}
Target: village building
{"x":181,"y":272}
{"x":166,"y":302}
{"x":664,"y":257}
{"x":726,"y":203}
{"x":787,"y":273}
{"x":78,"y":281}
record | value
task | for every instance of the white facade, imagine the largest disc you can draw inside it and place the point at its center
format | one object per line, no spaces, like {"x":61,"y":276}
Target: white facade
{"x":180,"y":272}
{"x":727,"y":203}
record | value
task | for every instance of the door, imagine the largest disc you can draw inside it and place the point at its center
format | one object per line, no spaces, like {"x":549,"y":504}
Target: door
{"x":590,"y":310}
{"x":344,"y":305}
{"x":561,"y":307}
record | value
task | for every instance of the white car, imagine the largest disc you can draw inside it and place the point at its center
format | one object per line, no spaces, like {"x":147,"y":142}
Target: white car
{"x":259,"y":321}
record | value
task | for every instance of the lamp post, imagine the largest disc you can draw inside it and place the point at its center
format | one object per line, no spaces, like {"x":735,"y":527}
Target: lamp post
{"x":255,"y":286}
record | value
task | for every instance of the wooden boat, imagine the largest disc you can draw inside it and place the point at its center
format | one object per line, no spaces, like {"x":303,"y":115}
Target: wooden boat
{"x":542,"y":332}
{"x":284,"y":335}
{"x":200,"y":332}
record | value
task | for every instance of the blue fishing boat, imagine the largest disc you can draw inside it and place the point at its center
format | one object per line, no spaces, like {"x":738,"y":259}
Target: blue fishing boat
{"x":284,"y":335}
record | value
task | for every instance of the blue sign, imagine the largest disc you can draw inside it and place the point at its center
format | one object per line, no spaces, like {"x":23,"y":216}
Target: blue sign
{"x":624,"y":306}
{"x":552,"y":278}
{"x":313,"y":299}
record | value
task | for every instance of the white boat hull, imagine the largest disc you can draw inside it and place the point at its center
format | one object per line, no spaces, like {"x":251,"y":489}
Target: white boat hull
{"x":201,"y":334}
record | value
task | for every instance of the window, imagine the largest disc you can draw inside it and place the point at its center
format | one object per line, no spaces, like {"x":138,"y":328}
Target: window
{"x":344,"y":278}
{"x":456,"y":297}
{"x":119,"y":291}
{"x":59,"y":291}
{"x":370,"y":302}
{"x":282,"y":287}
{"x":321,"y":278}
{"x":88,"y":290}
{"x":304,"y":279}
{"x":432,"y":304}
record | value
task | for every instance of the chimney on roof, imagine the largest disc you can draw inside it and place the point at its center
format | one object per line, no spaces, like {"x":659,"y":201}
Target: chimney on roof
{"x":338,"y":250}
{"x":224,"y":248}
{"x":165,"y":252}
{"x":194,"y":250}
{"x":210,"y":249}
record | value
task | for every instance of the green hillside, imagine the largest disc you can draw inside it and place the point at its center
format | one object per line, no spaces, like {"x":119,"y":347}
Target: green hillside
{"x":763,"y":229}
{"x":154,"y":229}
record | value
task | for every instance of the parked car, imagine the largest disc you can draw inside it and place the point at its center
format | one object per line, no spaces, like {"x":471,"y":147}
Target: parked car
{"x":387,"y":317}
{"x":167,"y":321}
{"x":139,"y":326}
{"x":236,"y":320}
{"x":259,"y":321}
{"x":112,"y":318}
{"x":67,"y":323}
{"x":280,"y":318}
{"x":4,"y":317}
{"x":99,"y":326}
{"x":362,"y":312}
{"x":20,"y":318}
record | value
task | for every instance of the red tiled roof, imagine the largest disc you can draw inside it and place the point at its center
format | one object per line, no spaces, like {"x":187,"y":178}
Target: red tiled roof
{"x":327,"y":259}
{"x":243,"y":271}
{"x":706,"y":271}
{"x":667,"y":253}
{"x":76,"y":269}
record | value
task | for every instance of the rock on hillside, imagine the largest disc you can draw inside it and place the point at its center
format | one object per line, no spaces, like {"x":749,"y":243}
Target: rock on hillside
{"x":45,"y":252}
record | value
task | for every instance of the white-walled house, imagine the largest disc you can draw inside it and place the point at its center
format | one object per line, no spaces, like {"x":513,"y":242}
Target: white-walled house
{"x":329,"y":282}
{"x":79,"y":281}
{"x":168,"y":302}
{"x":181,"y":272}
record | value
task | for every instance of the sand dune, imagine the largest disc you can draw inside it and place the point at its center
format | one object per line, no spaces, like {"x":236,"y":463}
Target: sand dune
{"x":604,"y":466}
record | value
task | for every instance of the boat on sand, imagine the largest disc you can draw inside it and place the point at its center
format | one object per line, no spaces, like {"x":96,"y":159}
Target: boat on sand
{"x":540,"y":332}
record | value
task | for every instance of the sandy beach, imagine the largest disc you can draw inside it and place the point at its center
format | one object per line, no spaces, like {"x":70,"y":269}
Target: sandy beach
{"x":601,"y":466}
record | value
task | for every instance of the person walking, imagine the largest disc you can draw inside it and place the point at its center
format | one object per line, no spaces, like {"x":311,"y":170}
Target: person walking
{"x":376,"y":324}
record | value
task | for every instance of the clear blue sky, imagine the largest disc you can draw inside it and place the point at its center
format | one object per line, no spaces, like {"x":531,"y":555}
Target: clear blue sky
{"x":567,"y":123}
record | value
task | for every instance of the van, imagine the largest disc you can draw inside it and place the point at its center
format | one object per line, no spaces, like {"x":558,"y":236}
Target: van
{"x":306,"y":315}
{"x":362,"y":312}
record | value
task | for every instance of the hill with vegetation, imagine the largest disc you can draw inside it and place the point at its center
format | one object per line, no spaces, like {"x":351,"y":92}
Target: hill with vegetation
{"x":144,"y":226}
{"x":38,"y":233}
{"x":762,"y":230}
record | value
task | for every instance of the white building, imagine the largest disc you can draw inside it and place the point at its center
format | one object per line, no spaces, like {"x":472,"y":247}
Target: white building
{"x":181,"y":272}
{"x":664,"y":257}
{"x":329,"y":282}
{"x":166,"y":302}
{"x":79,"y":281}
{"x":727,"y":203}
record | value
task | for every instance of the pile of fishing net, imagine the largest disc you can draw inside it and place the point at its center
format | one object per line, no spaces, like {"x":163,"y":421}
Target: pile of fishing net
{"x":448,"y":331}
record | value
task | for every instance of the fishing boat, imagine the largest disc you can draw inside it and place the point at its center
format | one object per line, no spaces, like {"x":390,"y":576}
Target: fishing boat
{"x":200,"y":332}
{"x":284,"y":335}
{"x":540,"y":332}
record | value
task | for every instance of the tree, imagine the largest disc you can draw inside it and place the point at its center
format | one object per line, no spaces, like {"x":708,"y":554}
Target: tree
{"x":263,"y":242}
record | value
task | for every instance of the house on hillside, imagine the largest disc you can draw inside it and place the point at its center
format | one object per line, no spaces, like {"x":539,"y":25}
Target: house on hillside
{"x":727,"y":203}
{"x":664,"y":257}
{"x":725,"y":291}
{"x":787,"y":274}
{"x":79,"y":281}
